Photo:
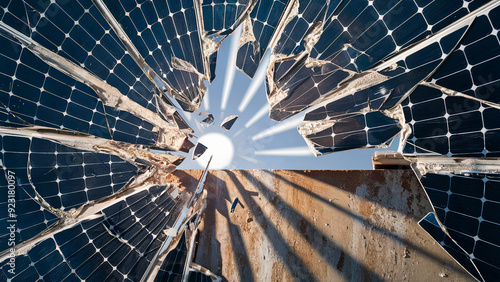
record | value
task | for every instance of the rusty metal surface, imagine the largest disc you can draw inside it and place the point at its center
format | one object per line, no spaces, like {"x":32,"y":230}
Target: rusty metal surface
{"x":319,"y":225}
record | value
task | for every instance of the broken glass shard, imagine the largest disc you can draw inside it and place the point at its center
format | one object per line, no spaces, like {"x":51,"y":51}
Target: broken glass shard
{"x":228,"y":122}
{"x":198,"y":150}
{"x":208,"y":121}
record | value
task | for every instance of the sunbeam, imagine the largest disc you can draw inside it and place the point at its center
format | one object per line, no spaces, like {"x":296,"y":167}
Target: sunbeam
{"x":230,"y":68}
{"x":283,"y":126}
{"x":256,"y":83}
{"x":206,"y":102}
{"x":290,"y":152}
{"x":258,"y":115}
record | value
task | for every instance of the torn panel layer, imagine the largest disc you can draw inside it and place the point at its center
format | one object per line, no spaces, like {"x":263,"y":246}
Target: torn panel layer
{"x":304,"y":87}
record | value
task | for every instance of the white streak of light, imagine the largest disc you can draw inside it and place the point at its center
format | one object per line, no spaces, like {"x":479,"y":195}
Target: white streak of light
{"x":238,"y":132}
{"x":262,"y":112}
{"x":186,"y":115}
{"x":294,"y":151}
{"x":256,"y":82}
{"x":230,"y":68}
{"x":206,"y":103}
{"x":283,"y":126}
{"x":248,"y":159}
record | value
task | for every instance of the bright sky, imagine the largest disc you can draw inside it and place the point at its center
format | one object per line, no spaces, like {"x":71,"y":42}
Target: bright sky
{"x":258,"y":142}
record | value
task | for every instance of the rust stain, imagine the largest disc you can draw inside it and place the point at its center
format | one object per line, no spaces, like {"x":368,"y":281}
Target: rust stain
{"x":365,"y":208}
{"x":340,"y":263}
{"x":409,"y":201}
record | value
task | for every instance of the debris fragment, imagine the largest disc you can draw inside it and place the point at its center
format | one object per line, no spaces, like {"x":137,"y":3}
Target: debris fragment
{"x":199,"y":150}
{"x":208,"y":121}
{"x":233,"y":206}
{"x":228,"y":122}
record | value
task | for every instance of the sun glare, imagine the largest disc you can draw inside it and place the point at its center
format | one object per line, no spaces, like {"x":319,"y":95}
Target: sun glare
{"x":220,"y":146}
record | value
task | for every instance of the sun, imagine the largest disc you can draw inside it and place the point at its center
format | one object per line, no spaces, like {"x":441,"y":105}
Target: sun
{"x":220,"y":147}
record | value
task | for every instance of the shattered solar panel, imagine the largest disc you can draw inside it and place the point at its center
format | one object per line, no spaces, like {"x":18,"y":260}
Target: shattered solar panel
{"x":258,"y":30}
{"x":357,"y":36}
{"x":466,"y":205}
{"x":34,"y":93}
{"x":119,"y":244}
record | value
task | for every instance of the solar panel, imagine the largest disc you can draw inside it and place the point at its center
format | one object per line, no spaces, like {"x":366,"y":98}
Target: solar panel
{"x":83,"y":97}
{"x":78,"y":32}
{"x":167,"y":36}
{"x":358,"y":35}
{"x":466,"y":205}
{"x":357,"y":117}
{"x":50,"y":178}
{"x":119,"y":244}
{"x":34,"y":93}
